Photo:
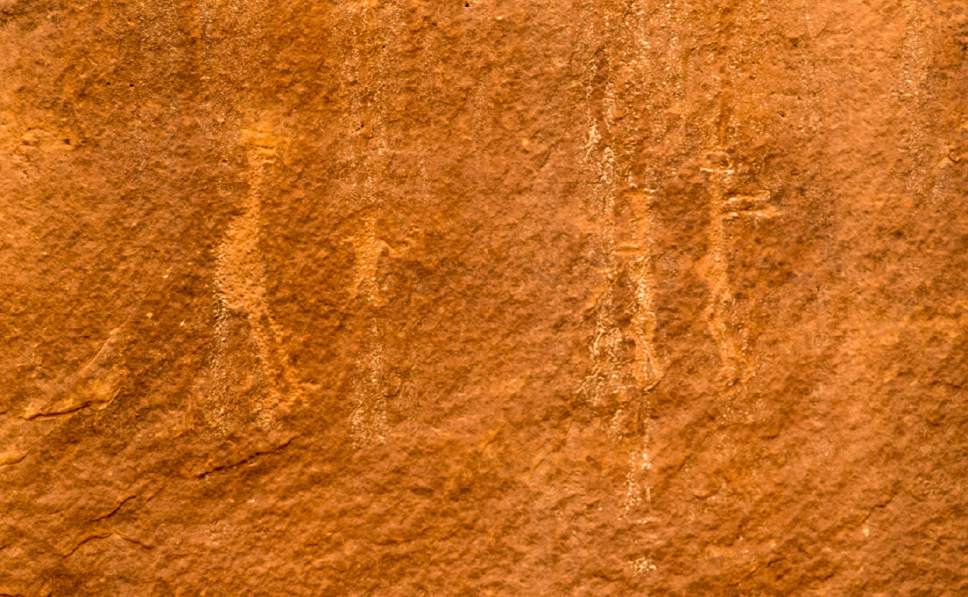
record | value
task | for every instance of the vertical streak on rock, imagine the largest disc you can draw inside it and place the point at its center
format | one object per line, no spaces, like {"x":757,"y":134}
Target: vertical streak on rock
{"x":368,"y":158}
{"x":368,"y":422}
{"x":617,"y":381}
{"x":719,"y":173}
{"x":808,"y":64}
{"x":367,"y":249}
{"x":719,"y":306}
{"x":606,"y":377}
{"x":913,"y":72}
{"x":675,"y":72}
{"x":648,"y":369}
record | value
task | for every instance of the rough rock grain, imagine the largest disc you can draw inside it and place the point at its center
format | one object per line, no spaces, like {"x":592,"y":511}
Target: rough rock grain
{"x":507,"y":297}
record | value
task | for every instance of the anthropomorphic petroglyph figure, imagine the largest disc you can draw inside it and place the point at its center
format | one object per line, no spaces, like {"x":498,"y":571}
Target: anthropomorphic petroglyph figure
{"x":625,"y":363}
{"x":725,"y":207}
{"x":718,"y":311}
{"x":368,"y":150}
{"x":242,"y":305}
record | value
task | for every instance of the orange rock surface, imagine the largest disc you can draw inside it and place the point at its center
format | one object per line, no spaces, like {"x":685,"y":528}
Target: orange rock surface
{"x":495,"y":297}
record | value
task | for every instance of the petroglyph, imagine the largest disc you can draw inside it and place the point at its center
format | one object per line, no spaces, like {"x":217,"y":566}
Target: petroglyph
{"x":638,"y":491}
{"x":368,"y":250}
{"x":642,"y":566}
{"x":606,"y":377}
{"x":240,"y":282}
{"x":368,"y":154}
{"x":368,"y":423}
{"x":625,"y":362}
{"x":756,"y":206}
{"x":632,"y":259}
{"x":717,"y":312}
{"x":648,"y":370}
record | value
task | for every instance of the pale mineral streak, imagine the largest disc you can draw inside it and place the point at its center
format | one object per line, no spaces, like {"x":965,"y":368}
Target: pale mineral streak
{"x":484,"y":297}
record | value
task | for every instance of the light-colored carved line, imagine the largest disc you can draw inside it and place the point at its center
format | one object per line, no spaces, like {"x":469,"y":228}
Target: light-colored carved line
{"x":648,"y":369}
{"x":638,"y":492}
{"x":756,"y":206}
{"x":368,"y":249}
{"x":718,"y":307}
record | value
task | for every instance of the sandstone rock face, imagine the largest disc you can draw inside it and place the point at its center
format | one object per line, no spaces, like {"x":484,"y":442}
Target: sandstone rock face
{"x":401,"y":297}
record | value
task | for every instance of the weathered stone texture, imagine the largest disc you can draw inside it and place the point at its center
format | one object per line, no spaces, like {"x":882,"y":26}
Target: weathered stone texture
{"x":510,"y":297}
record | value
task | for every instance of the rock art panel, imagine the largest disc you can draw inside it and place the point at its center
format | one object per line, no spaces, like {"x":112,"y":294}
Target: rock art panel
{"x":483,"y":297}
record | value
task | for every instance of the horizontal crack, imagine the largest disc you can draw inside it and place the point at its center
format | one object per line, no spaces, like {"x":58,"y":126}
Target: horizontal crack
{"x":98,"y":537}
{"x":59,"y":413}
{"x":246,"y":460}
{"x":15,"y":460}
{"x":115,"y":510}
